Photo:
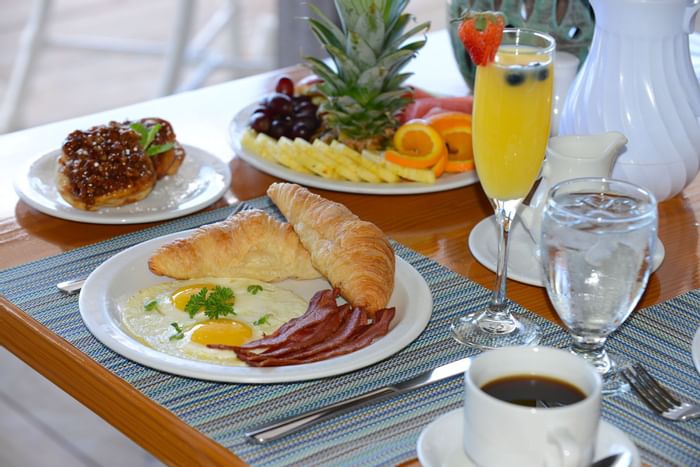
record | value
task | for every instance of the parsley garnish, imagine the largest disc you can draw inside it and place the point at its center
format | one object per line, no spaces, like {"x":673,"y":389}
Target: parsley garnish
{"x":151,"y":306}
{"x":218,"y":303}
{"x":262,"y":320}
{"x":147,"y":137}
{"x":254,"y":289}
{"x":196,"y":302}
{"x":179,"y":334}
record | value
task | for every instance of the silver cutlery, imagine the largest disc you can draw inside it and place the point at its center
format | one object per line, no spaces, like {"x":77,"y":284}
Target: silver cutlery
{"x":660,"y":399}
{"x":621,"y":459}
{"x":73,"y":286}
{"x":289,"y":425}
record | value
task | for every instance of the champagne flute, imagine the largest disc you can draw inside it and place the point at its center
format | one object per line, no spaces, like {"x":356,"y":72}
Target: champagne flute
{"x":511,"y":119}
{"x":598,"y":240}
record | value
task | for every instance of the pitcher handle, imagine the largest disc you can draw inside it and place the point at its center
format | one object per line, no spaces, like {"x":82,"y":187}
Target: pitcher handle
{"x":689,"y":19}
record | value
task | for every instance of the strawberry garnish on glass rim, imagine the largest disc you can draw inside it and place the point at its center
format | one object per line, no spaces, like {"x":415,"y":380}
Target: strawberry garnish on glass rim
{"x":481,"y":33}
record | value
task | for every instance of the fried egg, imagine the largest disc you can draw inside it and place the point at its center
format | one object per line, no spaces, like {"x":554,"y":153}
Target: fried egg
{"x":156,"y":317}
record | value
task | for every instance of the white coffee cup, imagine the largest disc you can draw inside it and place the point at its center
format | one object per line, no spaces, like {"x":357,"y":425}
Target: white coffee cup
{"x":498,"y":433}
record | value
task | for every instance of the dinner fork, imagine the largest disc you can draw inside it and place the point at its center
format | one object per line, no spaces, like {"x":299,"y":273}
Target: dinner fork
{"x":657,"y":397}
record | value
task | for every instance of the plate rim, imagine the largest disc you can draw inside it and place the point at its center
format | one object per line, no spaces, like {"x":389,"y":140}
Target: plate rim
{"x":695,"y":349}
{"x":93,"y":308}
{"x":449,"y":415}
{"x":235,"y":130}
{"x":480,"y":253}
{"x":34,"y":198}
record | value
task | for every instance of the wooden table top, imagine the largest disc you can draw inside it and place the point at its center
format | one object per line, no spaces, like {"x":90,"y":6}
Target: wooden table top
{"x":436,"y":225}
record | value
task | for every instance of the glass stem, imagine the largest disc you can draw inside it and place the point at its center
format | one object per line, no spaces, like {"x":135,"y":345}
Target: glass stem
{"x":592,"y":349}
{"x":505,"y":214}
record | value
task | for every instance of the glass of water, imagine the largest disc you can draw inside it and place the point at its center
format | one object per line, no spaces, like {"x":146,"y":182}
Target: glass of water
{"x":598,"y":240}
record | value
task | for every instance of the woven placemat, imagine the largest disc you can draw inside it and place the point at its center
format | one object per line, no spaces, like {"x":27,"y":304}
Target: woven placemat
{"x":384,"y":433}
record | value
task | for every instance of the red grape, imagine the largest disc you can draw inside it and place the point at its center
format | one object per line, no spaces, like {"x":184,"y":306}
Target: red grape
{"x":260,"y":122}
{"x":285,"y":86}
{"x":278,"y":129}
{"x":280,"y":104}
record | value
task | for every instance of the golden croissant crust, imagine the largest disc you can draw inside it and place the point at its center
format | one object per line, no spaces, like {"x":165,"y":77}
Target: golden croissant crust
{"x":353,"y":254}
{"x":250,"y":244}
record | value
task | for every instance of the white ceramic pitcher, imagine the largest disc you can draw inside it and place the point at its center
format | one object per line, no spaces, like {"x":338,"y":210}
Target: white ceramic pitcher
{"x":638,"y":79}
{"x":571,"y":157}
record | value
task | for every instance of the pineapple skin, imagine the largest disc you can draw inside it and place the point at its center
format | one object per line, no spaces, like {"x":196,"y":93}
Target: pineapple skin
{"x":364,"y":92}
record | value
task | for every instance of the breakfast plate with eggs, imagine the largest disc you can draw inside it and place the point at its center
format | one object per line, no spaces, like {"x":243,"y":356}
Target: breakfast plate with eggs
{"x":202,"y":179}
{"x":144,"y":318}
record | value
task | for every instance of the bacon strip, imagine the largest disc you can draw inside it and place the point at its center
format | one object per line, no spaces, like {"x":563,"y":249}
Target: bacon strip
{"x":353,"y":324}
{"x":373,"y":332}
{"x":325,"y":330}
{"x":321,"y":306}
{"x":311,"y":336}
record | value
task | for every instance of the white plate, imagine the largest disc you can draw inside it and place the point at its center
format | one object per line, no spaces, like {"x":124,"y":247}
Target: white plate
{"x":440,"y":443}
{"x":695,"y":346}
{"x":240,"y":123}
{"x":201,"y":180}
{"x":124,"y":274}
{"x":523,"y":264}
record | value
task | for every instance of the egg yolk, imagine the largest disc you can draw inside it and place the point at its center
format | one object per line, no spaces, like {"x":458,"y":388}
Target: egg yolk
{"x":182,"y":295}
{"x":221,"y":331}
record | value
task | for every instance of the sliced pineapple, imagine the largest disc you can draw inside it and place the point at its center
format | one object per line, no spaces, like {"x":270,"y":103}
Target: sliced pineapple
{"x":258,"y":143}
{"x":343,"y":166}
{"x":333,"y":161}
{"x":312,"y":160}
{"x":415,"y":175}
{"x":284,"y":154}
{"x":366,"y":170}
{"x":266,"y":146}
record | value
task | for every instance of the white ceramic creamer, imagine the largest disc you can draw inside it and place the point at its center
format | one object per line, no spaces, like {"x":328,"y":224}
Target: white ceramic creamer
{"x":571,"y":157}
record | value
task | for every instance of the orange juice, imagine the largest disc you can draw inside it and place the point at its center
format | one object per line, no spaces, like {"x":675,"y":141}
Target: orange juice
{"x":512,"y":110}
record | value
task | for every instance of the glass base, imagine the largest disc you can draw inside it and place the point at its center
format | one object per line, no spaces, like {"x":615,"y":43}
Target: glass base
{"x":609,"y":366}
{"x":483,"y":330}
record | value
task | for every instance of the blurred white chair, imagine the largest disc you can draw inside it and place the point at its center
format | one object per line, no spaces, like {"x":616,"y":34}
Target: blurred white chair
{"x":177,"y":51}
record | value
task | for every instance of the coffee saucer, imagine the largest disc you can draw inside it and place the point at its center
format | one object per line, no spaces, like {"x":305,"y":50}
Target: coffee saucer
{"x":523,"y":264}
{"x":437,"y":449}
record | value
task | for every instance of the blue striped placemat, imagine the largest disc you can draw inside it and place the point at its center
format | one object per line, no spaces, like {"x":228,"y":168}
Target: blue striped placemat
{"x":384,"y":433}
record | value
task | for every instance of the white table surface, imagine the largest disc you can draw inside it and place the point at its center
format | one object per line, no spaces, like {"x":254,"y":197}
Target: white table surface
{"x":201,"y":117}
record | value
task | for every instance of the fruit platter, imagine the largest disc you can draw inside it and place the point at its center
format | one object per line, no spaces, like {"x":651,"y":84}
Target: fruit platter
{"x":352,"y":124}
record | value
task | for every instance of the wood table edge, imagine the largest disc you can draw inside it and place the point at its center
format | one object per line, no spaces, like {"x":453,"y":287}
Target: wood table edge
{"x":67,"y":369}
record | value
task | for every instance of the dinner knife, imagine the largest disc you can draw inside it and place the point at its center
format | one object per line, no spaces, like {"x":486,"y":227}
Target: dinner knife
{"x":289,"y":425}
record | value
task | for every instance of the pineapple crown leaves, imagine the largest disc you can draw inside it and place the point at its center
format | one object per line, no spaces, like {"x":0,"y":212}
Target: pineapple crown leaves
{"x":367,"y":49}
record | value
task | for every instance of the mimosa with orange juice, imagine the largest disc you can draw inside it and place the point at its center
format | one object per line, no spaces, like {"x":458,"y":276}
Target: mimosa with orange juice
{"x":510,"y":128}
{"x":512,"y":109}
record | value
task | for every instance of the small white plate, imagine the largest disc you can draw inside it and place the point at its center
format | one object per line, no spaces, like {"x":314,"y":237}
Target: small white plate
{"x":240,"y":123}
{"x":695,"y":346}
{"x":440,"y":443}
{"x":121,"y":276}
{"x":523,"y":264}
{"x":201,"y":180}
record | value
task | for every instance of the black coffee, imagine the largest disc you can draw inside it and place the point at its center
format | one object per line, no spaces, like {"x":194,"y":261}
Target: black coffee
{"x":534,"y":391}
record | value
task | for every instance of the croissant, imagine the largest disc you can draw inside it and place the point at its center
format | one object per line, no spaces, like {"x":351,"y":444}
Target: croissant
{"x":352,"y":254}
{"x":250,"y":244}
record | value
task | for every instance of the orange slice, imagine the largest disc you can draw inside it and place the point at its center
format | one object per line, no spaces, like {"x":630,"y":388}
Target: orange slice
{"x":453,"y":166}
{"x":445,"y":120}
{"x":455,"y":128}
{"x":441,"y":165}
{"x":417,"y":144}
{"x":459,"y":142}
